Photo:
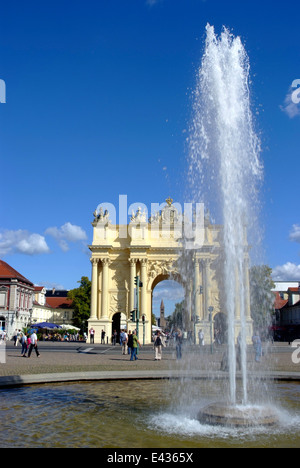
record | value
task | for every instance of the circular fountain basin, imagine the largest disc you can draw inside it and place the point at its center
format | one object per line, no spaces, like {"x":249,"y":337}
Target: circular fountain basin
{"x":237,"y":415}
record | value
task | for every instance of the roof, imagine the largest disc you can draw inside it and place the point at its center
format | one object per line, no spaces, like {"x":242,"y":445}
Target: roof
{"x":279,"y":302}
{"x":59,"y":302}
{"x":56,"y":293}
{"x":8,"y":272}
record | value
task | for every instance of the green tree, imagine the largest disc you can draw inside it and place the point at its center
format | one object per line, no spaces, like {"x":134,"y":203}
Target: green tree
{"x":176,"y":319}
{"x":153,"y":319}
{"x":81,"y":298}
{"x":261,"y":296}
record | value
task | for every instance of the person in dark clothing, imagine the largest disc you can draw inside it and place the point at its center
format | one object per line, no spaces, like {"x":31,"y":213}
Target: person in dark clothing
{"x":129,"y":342}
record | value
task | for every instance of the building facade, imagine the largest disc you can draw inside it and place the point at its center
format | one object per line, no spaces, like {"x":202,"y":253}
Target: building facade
{"x":51,"y":305}
{"x":286,"y":326}
{"x":16,"y":299}
{"x":152,"y":250}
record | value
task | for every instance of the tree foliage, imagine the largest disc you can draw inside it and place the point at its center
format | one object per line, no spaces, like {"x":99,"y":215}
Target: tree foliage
{"x":261,"y":296}
{"x":81,"y":298}
{"x":176,"y":319}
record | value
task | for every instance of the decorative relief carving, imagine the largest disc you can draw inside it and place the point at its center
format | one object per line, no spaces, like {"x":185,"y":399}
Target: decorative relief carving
{"x":161,"y":267}
{"x":118,"y":302}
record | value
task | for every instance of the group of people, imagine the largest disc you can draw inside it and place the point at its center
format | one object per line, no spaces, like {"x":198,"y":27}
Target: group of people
{"x":159,"y":344}
{"x":129,"y":344}
{"x":29,"y":342}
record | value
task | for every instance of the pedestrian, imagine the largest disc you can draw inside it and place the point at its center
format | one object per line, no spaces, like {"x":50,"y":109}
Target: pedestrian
{"x":114,"y":337}
{"x":239,"y":352}
{"x":18,"y":336}
{"x":135,"y":345}
{"x":121,"y":338}
{"x":129,"y":342}
{"x":92,"y":336}
{"x":15,"y":338}
{"x":23,"y":341}
{"x":224,"y":362}
{"x":124,"y":342}
{"x":33,"y":345}
{"x":158,"y":344}
{"x":201,"y":338}
{"x":178,"y":340}
{"x":103,"y":337}
{"x":257,"y":346}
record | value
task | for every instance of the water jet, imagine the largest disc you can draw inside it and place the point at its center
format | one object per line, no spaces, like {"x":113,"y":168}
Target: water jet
{"x":225,"y":170}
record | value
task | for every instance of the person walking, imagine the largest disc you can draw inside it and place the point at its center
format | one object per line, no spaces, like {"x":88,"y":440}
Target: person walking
{"x":114,"y":337}
{"x":92,"y":336}
{"x":178,"y":340}
{"x":124,"y":342}
{"x":33,"y":345}
{"x":23,"y":341}
{"x":135,"y":345}
{"x":158,"y":344}
{"x":239,"y":352}
{"x":129,"y":342}
{"x":15,"y":338}
{"x":103,"y":337}
{"x":257,"y":346}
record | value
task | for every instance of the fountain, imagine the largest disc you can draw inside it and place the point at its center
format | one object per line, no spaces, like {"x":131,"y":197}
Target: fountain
{"x":224,"y":157}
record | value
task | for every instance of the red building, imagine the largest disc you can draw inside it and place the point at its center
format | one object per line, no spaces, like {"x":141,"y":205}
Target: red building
{"x":16,"y":299}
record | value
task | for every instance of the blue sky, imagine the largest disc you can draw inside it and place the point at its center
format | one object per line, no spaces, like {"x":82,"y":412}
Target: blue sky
{"x":95,"y":87}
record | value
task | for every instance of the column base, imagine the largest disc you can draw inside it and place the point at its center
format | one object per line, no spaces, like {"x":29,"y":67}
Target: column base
{"x":205,"y":326}
{"x":98,"y":325}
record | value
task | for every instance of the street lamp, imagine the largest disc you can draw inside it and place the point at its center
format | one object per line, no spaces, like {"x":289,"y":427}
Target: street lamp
{"x":210,"y":310}
{"x":138,"y":285}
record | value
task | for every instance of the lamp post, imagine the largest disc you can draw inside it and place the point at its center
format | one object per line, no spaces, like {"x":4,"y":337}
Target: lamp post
{"x":210,"y":310}
{"x":139,"y":285}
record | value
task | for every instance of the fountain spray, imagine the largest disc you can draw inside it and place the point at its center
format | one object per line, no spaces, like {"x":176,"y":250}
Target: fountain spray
{"x":224,"y":165}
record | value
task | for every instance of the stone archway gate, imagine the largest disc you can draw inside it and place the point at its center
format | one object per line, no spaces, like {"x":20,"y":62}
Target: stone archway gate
{"x":151,"y":248}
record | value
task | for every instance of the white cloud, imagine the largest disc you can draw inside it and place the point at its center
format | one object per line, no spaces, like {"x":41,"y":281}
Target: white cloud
{"x":295,"y":233}
{"x":287,"y":272}
{"x":290,"y":106}
{"x":67,"y":233}
{"x":168,"y":291}
{"x":22,"y":241}
{"x":50,"y":285}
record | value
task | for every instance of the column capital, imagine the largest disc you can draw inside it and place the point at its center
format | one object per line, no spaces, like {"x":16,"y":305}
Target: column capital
{"x":94,"y":261}
{"x":205,"y":262}
{"x":105,"y":261}
{"x":144,"y":261}
{"x":132,"y":261}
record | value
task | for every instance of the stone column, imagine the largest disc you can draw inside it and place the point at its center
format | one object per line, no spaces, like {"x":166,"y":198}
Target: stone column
{"x":94,"y":295}
{"x":132,"y":276}
{"x":105,"y":279}
{"x":144,"y":288}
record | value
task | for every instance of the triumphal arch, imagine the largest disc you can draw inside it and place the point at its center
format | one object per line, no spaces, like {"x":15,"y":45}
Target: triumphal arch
{"x":165,"y":245}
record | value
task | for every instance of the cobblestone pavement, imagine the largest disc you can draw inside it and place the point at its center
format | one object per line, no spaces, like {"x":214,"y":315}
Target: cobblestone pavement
{"x":79,"y":357}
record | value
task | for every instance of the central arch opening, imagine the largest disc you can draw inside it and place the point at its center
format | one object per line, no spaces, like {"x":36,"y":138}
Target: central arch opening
{"x":168,"y":295}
